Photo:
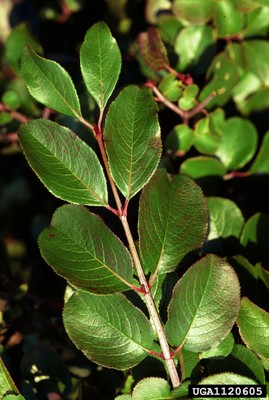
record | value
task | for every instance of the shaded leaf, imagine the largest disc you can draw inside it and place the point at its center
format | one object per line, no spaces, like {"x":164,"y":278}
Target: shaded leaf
{"x":108,"y":329}
{"x":190,"y":44}
{"x":172,"y":221}
{"x":152,"y":49}
{"x":225,"y":76}
{"x":261,"y":162}
{"x":100,"y":61}
{"x":49,"y":83}
{"x":133,"y":142}
{"x":227,"y":19}
{"x":226,"y":219}
{"x":254,"y":237}
{"x":202,"y":166}
{"x":152,"y":389}
{"x":6,"y":383}
{"x":180,"y":139}
{"x":193,"y":11}
{"x":80,"y":247}
{"x":222,"y":350}
{"x":238,"y":143}
{"x":171,"y":87}
{"x":211,"y":290}
{"x":18,"y":37}
{"x":241,"y":361}
{"x":64,"y":163}
{"x":253,"y":324}
{"x":256,"y":53}
{"x":154,"y":7}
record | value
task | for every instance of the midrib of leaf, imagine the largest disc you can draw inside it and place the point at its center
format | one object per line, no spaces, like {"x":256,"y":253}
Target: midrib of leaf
{"x":132,"y":153}
{"x":101,"y":72}
{"x":118,"y":330}
{"x":62,"y":97}
{"x":71,"y":172}
{"x":197,"y":308}
{"x":96,"y":259}
{"x":164,"y":238}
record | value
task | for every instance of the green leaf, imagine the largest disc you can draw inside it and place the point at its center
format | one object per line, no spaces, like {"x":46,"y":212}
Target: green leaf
{"x":153,"y":9}
{"x":261,"y":163}
{"x":193,"y":11}
{"x":66,"y":165}
{"x":172,"y":221}
{"x":190,"y":362}
{"x":180,"y":139}
{"x":6,"y":383}
{"x":255,"y":237}
{"x":100,"y":61}
{"x":211,"y":290}
{"x":152,"y":389}
{"x":241,"y":361}
{"x":80,"y":247}
{"x":257,"y":22}
{"x":49,"y":83}
{"x":124,"y":397}
{"x":202,"y":166}
{"x":256,"y":53}
{"x":258,"y":101}
{"x":227,"y":378}
{"x":152,"y":49}
{"x":171,"y":87}
{"x":228,"y":20}
{"x":249,"y":361}
{"x":108,"y":329}
{"x":205,"y":141}
{"x":226,"y":219}
{"x":13,"y":397}
{"x":191,"y":43}
{"x":18,"y":37}
{"x":133,"y":141}
{"x":238,"y":143}
{"x":253,"y":324}
{"x":222,"y":350}
{"x":225,"y":76}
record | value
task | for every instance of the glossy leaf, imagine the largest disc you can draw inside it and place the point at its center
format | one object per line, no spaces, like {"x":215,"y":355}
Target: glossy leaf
{"x":172,"y":221}
{"x":226,"y":218}
{"x":253,"y":324}
{"x":227,"y":378}
{"x":228,"y":20}
{"x":205,"y":141}
{"x":80,"y":247}
{"x":261,"y":162}
{"x":133,"y":141}
{"x":6,"y":383}
{"x":258,"y":101}
{"x":256,"y":53}
{"x":152,"y":49}
{"x":100,"y":61}
{"x":211,"y":290}
{"x":202,"y":166}
{"x":222,"y":350}
{"x":191,"y":43}
{"x":124,"y":397}
{"x":64,"y":163}
{"x":108,"y":329}
{"x":238,"y":144}
{"x":193,"y":11}
{"x":152,"y":389}
{"x":49,"y":83}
